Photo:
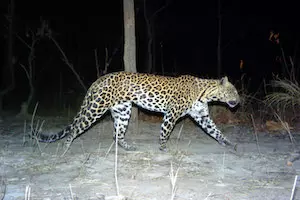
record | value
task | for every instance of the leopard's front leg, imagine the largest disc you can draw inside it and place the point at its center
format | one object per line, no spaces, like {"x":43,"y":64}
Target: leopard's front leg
{"x":201,"y":116}
{"x":210,"y":128}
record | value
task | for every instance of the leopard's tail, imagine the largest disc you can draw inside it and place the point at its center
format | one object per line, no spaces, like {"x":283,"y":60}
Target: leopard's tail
{"x":54,"y":137}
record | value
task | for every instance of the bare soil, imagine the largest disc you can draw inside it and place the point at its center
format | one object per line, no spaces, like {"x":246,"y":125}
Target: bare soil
{"x":206,"y":170}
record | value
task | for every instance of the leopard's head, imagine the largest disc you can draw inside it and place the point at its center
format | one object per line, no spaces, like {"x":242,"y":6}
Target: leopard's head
{"x":226,"y":92}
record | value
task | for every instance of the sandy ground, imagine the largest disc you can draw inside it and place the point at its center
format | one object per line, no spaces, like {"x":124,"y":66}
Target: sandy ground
{"x":205,"y":169}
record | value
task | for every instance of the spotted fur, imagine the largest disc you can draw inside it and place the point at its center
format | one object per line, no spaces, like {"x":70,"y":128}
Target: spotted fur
{"x":175,"y":97}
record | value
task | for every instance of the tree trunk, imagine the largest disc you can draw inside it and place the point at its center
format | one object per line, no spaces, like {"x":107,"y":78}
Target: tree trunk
{"x":129,"y":36}
{"x":129,"y":46}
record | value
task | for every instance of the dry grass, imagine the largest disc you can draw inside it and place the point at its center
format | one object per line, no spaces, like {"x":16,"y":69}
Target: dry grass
{"x":36,"y":127}
{"x":27,"y":192}
{"x":287,"y":128}
{"x":294,"y":188}
{"x":287,"y":96}
{"x":173,"y":179}
{"x":284,"y":102}
{"x":116,"y":161}
{"x":255,"y":132}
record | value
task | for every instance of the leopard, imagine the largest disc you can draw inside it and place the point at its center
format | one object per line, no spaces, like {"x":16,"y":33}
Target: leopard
{"x":174,"y":97}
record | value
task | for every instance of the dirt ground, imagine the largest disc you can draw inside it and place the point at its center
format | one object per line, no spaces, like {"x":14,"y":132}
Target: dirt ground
{"x":206,"y":170}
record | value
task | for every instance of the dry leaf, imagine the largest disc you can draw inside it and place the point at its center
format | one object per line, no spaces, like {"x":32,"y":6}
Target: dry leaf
{"x":289,"y":163}
{"x":241,"y":64}
{"x":273,"y":126}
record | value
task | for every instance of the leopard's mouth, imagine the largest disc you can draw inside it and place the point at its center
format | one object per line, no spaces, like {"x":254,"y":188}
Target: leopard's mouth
{"x":232,"y":103}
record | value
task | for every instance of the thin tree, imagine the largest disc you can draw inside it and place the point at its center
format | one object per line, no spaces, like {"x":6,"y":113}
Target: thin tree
{"x":129,"y":44}
{"x":129,"y":36}
{"x":36,"y":36}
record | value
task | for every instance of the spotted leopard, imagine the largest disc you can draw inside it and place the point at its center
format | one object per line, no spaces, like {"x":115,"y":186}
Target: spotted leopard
{"x":175,"y":97}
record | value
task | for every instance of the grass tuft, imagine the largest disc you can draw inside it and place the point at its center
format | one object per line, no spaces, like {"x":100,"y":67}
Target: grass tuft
{"x":287,"y":96}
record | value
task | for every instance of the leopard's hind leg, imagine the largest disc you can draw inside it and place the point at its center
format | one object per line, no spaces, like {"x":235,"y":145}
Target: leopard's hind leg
{"x":167,"y":126}
{"x":121,"y":115}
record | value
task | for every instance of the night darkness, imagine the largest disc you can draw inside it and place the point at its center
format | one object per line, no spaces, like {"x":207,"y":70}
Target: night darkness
{"x":185,"y":41}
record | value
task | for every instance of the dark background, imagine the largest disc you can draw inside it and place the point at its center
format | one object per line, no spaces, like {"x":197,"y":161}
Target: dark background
{"x":185,"y":35}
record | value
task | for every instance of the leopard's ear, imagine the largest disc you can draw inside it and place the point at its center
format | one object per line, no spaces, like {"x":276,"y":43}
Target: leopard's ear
{"x":224,"y":80}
